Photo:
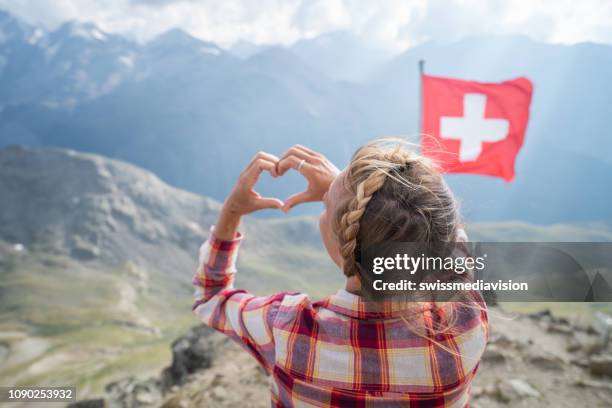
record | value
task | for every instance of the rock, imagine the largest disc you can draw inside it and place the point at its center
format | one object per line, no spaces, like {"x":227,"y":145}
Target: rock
{"x":594,"y":384}
{"x":582,"y":362}
{"x":490,"y":389}
{"x":493,"y":354}
{"x":476,"y":391}
{"x":542,"y":314}
{"x":500,"y":340}
{"x":546,"y":361}
{"x":190,"y":353}
{"x":603,"y":326}
{"x":513,"y":389}
{"x":4,"y":352}
{"x":145,"y":399}
{"x":135,"y":393}
{"x":91,"y":403}
{"x":561,"y":328}
{"x":601,"y":364}
{"x":84,"y":251}
{"x":583,"y":342}
{"x":177,"y":401}
{"x":219,"y":393}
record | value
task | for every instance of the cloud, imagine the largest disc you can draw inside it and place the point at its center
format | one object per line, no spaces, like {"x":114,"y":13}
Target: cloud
{"x":154,"y":3}
{"x":394,"y":24}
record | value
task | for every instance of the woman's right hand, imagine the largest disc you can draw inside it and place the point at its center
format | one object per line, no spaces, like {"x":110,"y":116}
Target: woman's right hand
{"x":318,"y":171}
{"x":244,"y":199}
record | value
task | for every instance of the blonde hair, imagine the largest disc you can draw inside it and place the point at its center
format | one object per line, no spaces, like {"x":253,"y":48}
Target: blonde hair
{"x":395,"y":194}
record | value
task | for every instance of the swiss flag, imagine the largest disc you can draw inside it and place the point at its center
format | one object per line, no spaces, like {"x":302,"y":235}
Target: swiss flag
{"x":474,"y":127}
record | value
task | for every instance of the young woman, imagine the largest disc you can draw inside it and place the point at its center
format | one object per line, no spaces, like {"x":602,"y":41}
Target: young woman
{"x":348,"y":350}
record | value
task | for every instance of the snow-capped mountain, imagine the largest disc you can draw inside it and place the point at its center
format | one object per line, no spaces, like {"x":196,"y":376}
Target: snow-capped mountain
{"x":193,"y":112}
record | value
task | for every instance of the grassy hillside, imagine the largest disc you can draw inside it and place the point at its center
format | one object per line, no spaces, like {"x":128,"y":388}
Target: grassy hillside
{"x":66,"y":322}
{"x":526,"y":232}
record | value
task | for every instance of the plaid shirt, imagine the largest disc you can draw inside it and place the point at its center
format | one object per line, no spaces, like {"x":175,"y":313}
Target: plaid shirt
{"x":341,"y":351}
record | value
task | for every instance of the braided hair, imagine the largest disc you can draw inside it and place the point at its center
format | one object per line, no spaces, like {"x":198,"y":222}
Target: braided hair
{"x":394,"y":195}
{"x":397,"y":195}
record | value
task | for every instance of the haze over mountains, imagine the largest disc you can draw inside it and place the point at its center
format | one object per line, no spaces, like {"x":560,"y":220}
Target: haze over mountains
{"x":194,"y":113}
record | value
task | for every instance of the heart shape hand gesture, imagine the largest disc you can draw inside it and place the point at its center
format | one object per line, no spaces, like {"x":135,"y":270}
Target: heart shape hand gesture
{"x":318,"y":171}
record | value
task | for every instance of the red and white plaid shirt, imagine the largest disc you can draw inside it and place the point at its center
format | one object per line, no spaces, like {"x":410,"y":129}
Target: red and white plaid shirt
{"x":341,"y":351}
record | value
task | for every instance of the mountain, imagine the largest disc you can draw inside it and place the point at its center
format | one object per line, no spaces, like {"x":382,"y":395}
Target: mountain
{"x":246,"y":49}
{"x":194,"y":113}
{"x":96,"y":261}
{"x":75,"y":63}
{"x":569,"y":109}
{"x":563,"y":169}
{"x":341,"y":55}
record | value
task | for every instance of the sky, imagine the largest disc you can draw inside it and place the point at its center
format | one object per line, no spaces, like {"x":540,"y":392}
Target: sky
{"x":391,"y":24}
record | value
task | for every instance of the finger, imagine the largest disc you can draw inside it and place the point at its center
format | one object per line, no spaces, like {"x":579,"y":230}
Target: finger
{"x":266,"y":156}
{"x":291,"y":162}
{"x":263,"y":156}
{"x":296,"y":199}
{"x":298,"y":152}
{"x":307,"y":150}
{"x":269,"y":202}
{"x":254,"y":170}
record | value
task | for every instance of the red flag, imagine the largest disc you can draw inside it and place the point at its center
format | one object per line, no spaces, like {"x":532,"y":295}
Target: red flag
{"x":475,"y":127}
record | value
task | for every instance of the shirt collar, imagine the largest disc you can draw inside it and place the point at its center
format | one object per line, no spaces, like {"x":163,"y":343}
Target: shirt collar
{"x":349,"y":304}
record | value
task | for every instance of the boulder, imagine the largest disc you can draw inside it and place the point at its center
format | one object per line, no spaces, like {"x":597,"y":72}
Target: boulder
{"x":561,"y":328}
{"x":513,"y":389}
{"x":601,"y":364}
{"x":582,"y":342}
{"x":546,"y":361}
{"x":500,"y":339}
{"x":493,"y":354}
{"x":134,"y":393}
{"x":91,"y":403}
{"x":190,"y":353}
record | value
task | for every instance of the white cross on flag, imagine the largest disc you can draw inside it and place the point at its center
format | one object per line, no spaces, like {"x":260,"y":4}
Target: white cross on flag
{"x":474,"y":127}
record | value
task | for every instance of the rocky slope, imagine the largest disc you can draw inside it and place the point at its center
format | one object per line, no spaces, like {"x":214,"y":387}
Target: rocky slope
{"x":533,"y":360}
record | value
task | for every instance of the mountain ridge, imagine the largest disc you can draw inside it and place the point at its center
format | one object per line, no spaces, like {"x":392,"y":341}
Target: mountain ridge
{"x":194,"y":117}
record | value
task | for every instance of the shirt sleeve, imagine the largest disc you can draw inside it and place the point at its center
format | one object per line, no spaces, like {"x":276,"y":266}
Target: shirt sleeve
{"x":245,"y":318}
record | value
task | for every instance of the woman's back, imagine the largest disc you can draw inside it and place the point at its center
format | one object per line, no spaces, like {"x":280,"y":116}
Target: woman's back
{"x":341,"y":352}
{"x":362,"y":346}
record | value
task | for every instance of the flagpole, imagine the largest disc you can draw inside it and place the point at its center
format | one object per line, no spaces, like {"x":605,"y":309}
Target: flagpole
{"x":420,"y":100}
